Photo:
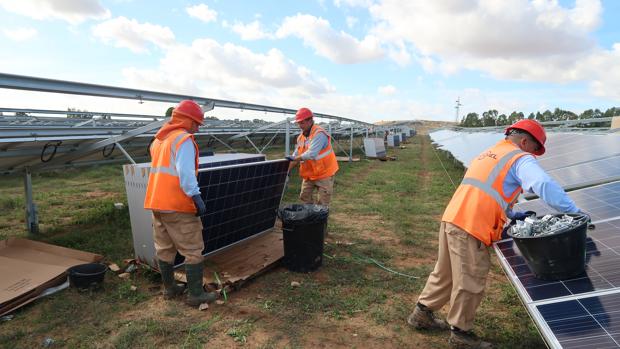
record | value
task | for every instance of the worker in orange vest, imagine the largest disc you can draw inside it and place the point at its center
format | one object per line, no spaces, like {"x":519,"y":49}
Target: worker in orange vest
{"x":173,"y":195}
{"x":318,"y":160}
{"x":474,"y":219}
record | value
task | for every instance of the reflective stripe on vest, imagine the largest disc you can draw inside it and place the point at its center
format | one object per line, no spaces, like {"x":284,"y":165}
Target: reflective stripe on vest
{"x":324,"y":165}
{"x":479,"y":204}
{"x":487,"y":186}
{"x":320,"y":156}
{"x":164,"y":192}
{"x":171,"y":169}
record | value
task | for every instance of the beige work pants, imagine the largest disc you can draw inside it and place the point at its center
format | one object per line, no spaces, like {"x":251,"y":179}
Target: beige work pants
{"x":459,"y":276}
{"x":324,"y":187}
{"x":177,"y":231}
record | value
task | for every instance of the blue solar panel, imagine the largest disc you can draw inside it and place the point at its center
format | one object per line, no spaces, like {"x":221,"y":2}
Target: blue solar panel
{"x":241,"y":201}
{"x":590,"y":172}
{"x":602,"y":202}
{"x":602,"y":266}
{"x":587,"y":322}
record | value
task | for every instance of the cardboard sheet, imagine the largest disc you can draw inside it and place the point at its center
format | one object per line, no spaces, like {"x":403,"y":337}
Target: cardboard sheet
{"x":29,"y":267}
{"x":241,"y":262}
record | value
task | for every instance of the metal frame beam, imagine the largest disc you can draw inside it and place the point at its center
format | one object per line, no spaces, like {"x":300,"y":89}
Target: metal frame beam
{"x":67,"y":158}
{"x":21,"y":82}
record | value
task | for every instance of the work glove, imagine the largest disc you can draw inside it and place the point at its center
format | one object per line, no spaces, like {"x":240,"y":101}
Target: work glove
{"x":519,"y":216}
{"x":201,"y":208}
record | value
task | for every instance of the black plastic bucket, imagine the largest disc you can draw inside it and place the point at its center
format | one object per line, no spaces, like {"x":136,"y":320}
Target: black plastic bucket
{"x":89,"y":275}
{"x":303,"y":228}
{"x":557,"y":256}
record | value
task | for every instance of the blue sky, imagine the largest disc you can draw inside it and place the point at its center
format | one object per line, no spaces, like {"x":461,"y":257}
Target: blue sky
{"x":365,"y":59}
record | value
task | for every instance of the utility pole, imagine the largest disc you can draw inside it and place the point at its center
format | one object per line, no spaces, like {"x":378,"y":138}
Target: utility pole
{"x":457,"y":107}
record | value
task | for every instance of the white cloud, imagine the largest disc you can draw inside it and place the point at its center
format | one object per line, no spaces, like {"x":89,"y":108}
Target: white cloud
{"x":229,"y":71}
{"x":353,"y":3}
{"x":202,"y":12}
{"x":72,"y":11}
{"x":338,"y":47}
{"x":351,"y":21}
{"x":20,"y":34}
{"x":250,"y":31}
{"x":129,"y":33}
{"x":527,"y":40}
{"x":387,"y":90}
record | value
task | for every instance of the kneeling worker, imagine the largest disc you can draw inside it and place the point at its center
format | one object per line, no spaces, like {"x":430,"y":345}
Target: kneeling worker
{"x":474,"y":219}
{"x":173,"y":195}
{"x":318,"y":160}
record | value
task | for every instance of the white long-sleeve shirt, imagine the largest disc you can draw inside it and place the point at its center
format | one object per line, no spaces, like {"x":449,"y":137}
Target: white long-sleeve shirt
{"x":185,"y":166}
{"x":527,"y":174}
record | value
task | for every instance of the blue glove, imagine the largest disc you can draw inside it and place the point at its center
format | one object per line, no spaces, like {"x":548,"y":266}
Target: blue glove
{"x":519,"y":216}
{"x":289,"y":158}
{"x":201,"y":208}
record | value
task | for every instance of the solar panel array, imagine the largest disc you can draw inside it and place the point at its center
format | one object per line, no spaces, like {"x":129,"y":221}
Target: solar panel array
{"x":582,"y":312}
{"x":242,"y":201}
{"x":573,"y":160}
{"x":136,"y":179}
{"x":563,"y":310}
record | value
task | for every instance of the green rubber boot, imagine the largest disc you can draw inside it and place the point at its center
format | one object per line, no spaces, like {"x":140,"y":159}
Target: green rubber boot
{"x":197,"y":294}
{"x":171,"y":288}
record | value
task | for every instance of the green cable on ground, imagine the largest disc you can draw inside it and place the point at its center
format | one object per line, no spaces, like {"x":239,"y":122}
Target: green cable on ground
{"x":369,"y":260}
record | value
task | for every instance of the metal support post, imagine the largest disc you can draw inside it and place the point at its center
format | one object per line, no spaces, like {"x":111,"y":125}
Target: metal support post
{"x":254,"y":145}
{"x":351,"y":146}
{"x":125,"y":153}
{"x":287,"y":139}
{"x":269,"y":143}
{"x":224,"y":143}
{"x":32,"y":221}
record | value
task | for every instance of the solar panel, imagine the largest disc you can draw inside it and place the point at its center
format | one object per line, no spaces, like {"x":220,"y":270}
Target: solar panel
{"x":228,"y":159}
{"x":588,"y":173}
{"x":569,"y":149}
{"x":586,"y":322}
{"x":602,"y":262}
{"x":602,"y":202}
{"x":583,"y":312}
{"x":136,"y":179}
{"x":241,"y":201}
{"x":574,"y":160}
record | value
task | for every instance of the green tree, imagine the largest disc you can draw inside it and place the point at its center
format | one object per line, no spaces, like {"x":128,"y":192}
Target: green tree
{"x":515,"y":116}
{"x":489,"y":118}
{"x":502,"y":119}
{"x":471,"y":120}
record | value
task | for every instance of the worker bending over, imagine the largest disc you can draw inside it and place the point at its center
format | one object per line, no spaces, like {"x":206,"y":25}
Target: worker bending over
{"x":474,"y":219}
{"x":174,"y":197}
{"x":318,"y":160}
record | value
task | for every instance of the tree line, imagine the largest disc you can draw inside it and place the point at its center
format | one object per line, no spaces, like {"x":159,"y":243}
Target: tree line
{"x":493,"y":118}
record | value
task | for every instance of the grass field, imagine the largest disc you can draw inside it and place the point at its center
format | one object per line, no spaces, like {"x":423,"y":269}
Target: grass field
{"x":387,"y":211}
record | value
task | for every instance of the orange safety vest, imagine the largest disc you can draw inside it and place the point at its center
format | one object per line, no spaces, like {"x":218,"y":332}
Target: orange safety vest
{"x":325,"y":165}
{"x":479,"y":204}
{"x":164,"y":192}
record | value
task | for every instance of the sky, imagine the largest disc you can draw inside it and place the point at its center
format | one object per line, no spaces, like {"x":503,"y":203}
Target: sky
{"x":369,"y":60}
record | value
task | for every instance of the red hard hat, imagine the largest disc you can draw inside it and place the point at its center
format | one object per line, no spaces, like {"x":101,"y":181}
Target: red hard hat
{"x":303,"y":114}
{"x":190,"y":109}
{"x":535,"y":129}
